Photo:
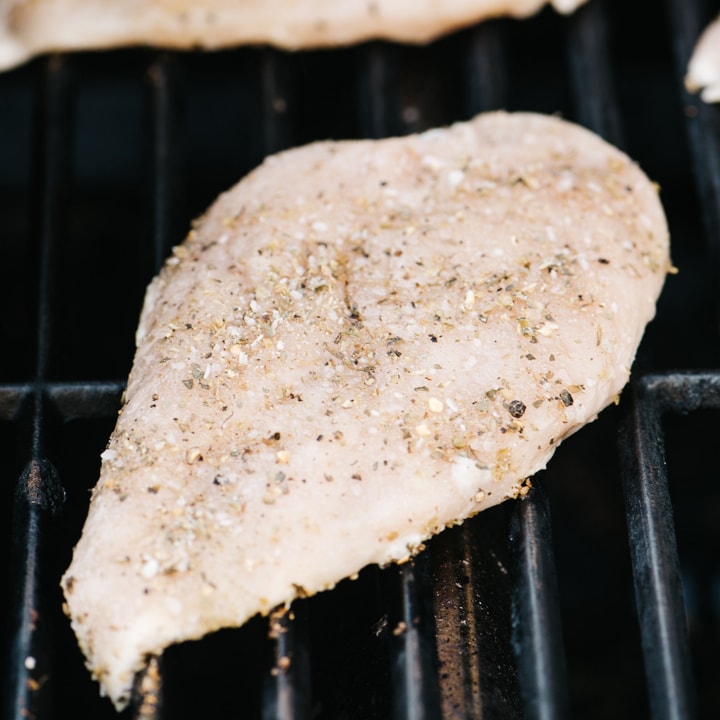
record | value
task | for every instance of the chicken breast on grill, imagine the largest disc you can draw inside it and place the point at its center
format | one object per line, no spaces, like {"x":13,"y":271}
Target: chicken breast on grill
{"x":358,"y":345}
{"x":29,"y":27}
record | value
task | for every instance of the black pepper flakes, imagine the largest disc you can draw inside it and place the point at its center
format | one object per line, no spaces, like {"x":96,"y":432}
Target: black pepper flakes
{"x":516,"y":408}
{"x":567,"y":398}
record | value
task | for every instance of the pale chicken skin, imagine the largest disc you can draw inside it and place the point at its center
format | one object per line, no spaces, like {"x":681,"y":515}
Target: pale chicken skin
{"x":358,"y":345}
{"x":30,"y":27}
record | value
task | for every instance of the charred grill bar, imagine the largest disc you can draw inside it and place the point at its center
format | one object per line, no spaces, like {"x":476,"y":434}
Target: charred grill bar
{"x":480,"y":625}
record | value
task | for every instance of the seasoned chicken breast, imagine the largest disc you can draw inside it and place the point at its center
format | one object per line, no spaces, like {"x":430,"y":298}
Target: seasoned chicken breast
{"x":358,"y":345}
{"x":29,"y":27}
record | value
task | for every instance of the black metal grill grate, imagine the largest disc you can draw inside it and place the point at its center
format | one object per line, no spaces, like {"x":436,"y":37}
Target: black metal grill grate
{"x":104,"y":159}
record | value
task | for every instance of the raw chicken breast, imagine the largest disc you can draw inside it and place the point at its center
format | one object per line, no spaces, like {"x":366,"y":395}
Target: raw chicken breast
{"x":30,"y":27}
{"x":703,"y":73}
{"x":358,"y":345}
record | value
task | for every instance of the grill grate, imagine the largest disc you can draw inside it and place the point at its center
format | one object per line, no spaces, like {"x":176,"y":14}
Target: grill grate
{"x":128,"y":146}
{"x":652,"y":536}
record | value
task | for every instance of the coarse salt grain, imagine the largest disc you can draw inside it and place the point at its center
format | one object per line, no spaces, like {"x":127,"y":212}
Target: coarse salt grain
{"x":435,"y":405}
{"x":150,"y":568}
{"x":430,"y":161}
{"x":455,"y":177}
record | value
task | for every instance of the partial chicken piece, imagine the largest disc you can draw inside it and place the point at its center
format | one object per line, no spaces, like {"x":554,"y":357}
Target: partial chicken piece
{"x":31,"y":27}
{"x":703,"y":73}
{"x":358,"y":345}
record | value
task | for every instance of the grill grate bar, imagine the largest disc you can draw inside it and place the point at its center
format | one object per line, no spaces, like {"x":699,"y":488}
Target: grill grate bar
{"x":38,"y":495}
{"x":146,"y":702}
{"x":161,"y":76}
{"x":590,"y":72}
{"x":13,"y":398}
{"x":486,"y":85}
{"x":535,"y":614}
{"x":378,"y":113}
{"x":455,"y":606}
{"x":471,"y":595}
{"x":52,"y":172}
{"x":653,"y":547}
{"x":38,"y":492}
{"x":276,"y":101}
{"x":147,"y":699}
{"x":74,"y":401}
{"x":85,"y":400}
{"x":416,"y":694}
{"x":287,"y":687}
{"x":537,"y":629}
